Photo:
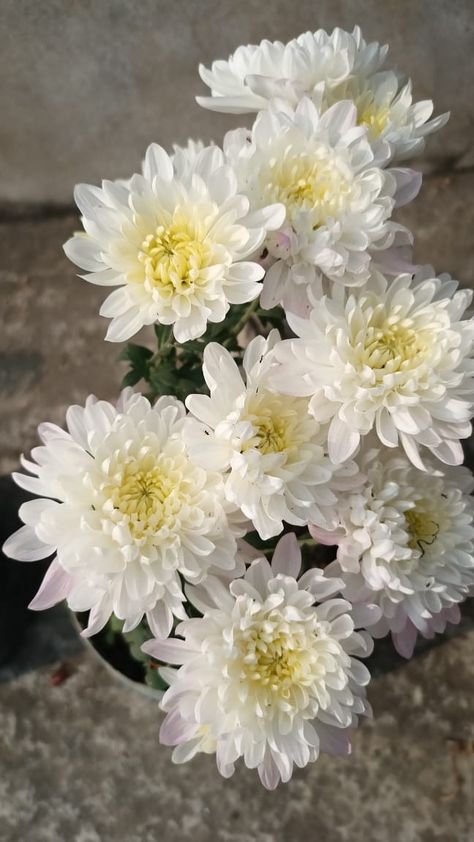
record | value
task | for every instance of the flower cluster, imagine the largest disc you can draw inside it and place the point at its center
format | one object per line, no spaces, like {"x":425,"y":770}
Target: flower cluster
{"x":309,"y":385}
{"x":326,"y":68}
{"x":337,"y":196}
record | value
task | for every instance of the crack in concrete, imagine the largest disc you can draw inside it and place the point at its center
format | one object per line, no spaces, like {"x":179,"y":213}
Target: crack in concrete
{"x":19,"y":212}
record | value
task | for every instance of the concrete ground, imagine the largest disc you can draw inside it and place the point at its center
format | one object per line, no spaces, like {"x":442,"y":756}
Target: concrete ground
{"x":87,"y":84}
{"x":80,"y":762}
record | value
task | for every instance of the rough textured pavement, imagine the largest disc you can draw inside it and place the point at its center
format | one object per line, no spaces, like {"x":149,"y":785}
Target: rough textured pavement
{"x":81,"y":763}
{"x":85,"y":87}
{"x":87,"y":84}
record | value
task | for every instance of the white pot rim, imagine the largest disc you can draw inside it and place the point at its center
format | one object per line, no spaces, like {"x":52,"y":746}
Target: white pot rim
{"x":136,"y":686}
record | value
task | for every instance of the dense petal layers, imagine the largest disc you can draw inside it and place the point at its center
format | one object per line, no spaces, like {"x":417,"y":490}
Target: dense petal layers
{"x":266,"y":675}
{"x":270,"y":450}
{"x":327,"y":68}
{"x":174,"y":240}
{"x":338,"y":199}
{"x":406,"y":543}
{"x":396,"y":357}
{"x":312,"y":64}
{"x":126,"y":511}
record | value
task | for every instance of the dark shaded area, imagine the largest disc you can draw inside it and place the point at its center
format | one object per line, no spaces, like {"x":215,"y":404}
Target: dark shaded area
{"x":385,"y":659}
{"x":28,"y":639}
{"x":19,"y":370}
{"x":18,"y":582}
{"x":47,"y":637}
{"x":115,"y":651}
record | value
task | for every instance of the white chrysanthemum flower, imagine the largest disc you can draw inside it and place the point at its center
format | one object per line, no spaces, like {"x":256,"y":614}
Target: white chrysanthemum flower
{"x":406,"y":543}
{"x":271,"y":451}
{"x":126,"y":511}
{"x":266,"y":674}
{"x":327,"y":68}
{"x":396,"y":357}
{"x":257,"y":73}
{"x":174,"y":240}
{"x":184,"y":158}
{"x":385,"y":106}
{"x":338,"y":200}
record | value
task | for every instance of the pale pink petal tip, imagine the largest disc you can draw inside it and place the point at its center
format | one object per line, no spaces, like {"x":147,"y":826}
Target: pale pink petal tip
{"x":404,"y":641}
{"x":287,"y":556}
{"x":54,"y":588}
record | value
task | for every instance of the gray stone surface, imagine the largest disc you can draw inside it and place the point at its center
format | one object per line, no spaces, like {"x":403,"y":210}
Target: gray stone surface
{"x":81,"y":763}
{"x":442,"y":220}
{"x":87,"y":84}
{"x":52,"y":351}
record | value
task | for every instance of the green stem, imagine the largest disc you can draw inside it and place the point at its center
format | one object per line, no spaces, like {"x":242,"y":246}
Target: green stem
{"x":307,"y":542}
{"x":163,"y":348}
{"x":242,"y":321}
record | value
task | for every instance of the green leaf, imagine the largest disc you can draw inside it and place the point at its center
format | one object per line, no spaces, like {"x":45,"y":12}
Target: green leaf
{"x":164,"y":334}
{"x":131,"y":378}
{"x":154,"y":679}
{"x":138,"y":355}
{"x":275,"y":317}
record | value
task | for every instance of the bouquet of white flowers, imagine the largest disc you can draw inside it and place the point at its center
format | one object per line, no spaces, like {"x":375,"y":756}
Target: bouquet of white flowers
{"x":309,"y":385}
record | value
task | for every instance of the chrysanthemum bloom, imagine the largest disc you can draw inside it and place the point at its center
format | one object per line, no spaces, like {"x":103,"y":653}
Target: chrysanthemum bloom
{"x":184,"y":157}
{"x":396,"y":357}
{"x":338,"y":200}
{"x":406,"y":543}
{"x":173,"y":240}
{"x":327,"y":68}
{"x":125,"y":510}
{"x":269,"y":448}
{"x":385,"y":106}
{"x":314,"y":62}
{"x":266,"y":674}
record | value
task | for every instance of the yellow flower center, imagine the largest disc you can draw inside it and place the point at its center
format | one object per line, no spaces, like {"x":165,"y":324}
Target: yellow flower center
{"x":303,"y":181}
{"x":393,"y":347}
{"x":277,"y":658}
{"x":271,"y":435}
{"x":422,"y":527}
{"x":278,"y":423}
{"x":174,"y":256}
{"x":375,"y":117}
{"x":149,"y":495}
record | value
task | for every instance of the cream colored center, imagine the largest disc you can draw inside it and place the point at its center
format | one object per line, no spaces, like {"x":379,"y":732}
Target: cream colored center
{"x":271,"y":435}
{"x":422,"y":527}
{"x":148,"y":495}
{"x":173,"y":257}
{"x":392,"y":347}
{"x":278,"y":423}
{"x":375,"y":117}
{"x":277,"y":656}
{"x":309,"y":182}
